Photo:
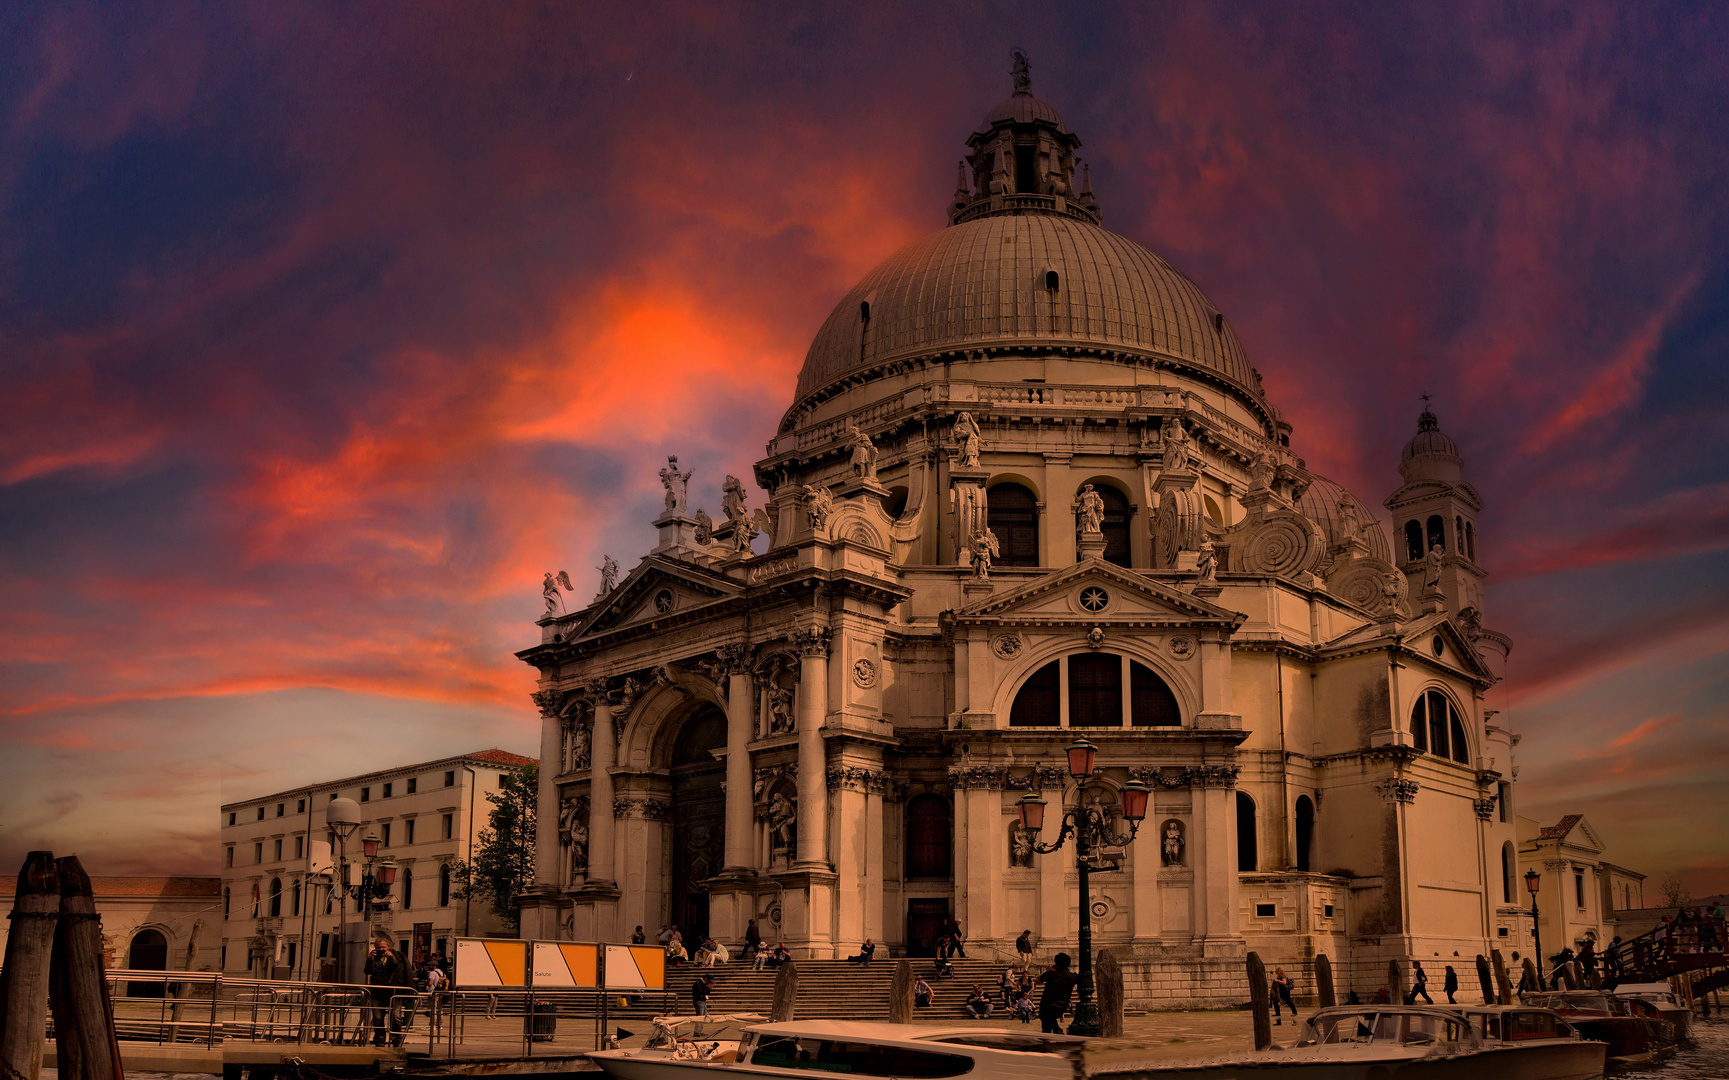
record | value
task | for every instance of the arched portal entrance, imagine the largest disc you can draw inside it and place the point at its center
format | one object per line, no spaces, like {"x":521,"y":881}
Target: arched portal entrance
{"x":149,"y":952}
{"x":698,"y":820}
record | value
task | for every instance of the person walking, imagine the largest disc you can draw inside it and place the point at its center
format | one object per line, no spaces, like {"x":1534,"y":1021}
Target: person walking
{"x":1451,"y":984}
{"x":923,"y":995}
{"x":979,"y":1002}
{"x":1024,"y":946}
{"x":1419,"y":984}
{"x":699,"y":993}
{"x":957,"y":939}
{"x":1281,"y":993}
{"x":1059,"y":983}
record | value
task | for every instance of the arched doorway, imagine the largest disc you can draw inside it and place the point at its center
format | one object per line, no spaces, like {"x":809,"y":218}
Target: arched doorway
{"x":1305,"y":833}
{"x":149,"y":952}
{"x":1247,"y":846}
{"x":698,"y":820}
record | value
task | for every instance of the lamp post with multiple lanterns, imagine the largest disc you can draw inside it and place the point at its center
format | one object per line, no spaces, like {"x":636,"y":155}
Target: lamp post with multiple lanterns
{"x":1533,"y":882}
{"x":372,"y":893}
{"x":1091,"y":828}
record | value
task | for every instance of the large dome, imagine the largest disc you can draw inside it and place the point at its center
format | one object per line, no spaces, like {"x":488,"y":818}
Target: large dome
{"x":986,"y":283}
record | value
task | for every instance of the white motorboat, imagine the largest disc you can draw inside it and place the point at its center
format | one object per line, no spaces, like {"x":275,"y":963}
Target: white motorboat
{"x":799,"y":1048}
{"x":1376,"y":1042}
{"x":1669,"y":1003}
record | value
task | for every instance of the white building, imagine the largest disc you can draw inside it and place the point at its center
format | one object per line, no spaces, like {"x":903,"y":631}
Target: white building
{"x":1581,"y":895}
{"x":277,"y":919}
{"x":831,"y":736}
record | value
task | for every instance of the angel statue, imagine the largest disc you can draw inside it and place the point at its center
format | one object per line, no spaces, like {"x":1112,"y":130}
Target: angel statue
{"x":985,"y":550}
{"x":744,"y":530}
{"x":818,"y":505}
{"x":1090,"y":509}
{"x":967,"y":435}
{"x":1394,"y":590}
{"x":549,"y":589}
{"x":676,"y":483}
{"x":732,"y":499}
{"x":608,"y":574}
{"x":704,"y":527}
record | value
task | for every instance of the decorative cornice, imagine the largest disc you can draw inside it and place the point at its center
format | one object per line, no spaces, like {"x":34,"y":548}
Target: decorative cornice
{"x":1390,"y":752}
{"x":1201,"y":776}
{"x":1397,"y":790}
{"x":973,"y":777}
{"x":1485,"y":807}
{"x":759,"y":572}
{"x":857,"y":778}
{"x":647,"y":809}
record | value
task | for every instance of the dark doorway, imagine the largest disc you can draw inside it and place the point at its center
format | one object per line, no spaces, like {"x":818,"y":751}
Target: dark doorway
{"x":925,"y":922}
{"x":1305,"y":832}
{"x":930,"y":837}
{"x":698,"y":821}
{"x":149,"y":952}
{"x":1247,"y":846}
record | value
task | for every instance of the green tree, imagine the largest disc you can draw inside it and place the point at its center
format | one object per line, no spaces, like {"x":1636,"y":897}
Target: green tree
{"x":503,"y":862}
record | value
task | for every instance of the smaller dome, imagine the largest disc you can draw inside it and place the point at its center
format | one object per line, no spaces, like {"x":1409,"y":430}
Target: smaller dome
{"x":1022,"y":109}
{"x":1429,"y":439}
{"x":1320,"y":504}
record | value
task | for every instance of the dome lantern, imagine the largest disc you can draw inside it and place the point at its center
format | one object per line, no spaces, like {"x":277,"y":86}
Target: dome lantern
{"x":1022,"y":161}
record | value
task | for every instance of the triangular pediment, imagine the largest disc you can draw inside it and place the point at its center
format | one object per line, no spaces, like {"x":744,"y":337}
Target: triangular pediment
{"x":1457,"y":650}
{"x":657,"y":588}
{"x":1094,"y":591}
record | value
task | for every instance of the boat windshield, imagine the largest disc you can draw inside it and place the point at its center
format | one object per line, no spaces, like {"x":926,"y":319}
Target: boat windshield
{"x":1404,"y":1029}
{"x":1009,"y":1040}
{"x":858,"y":1058}
{"x":1531,"y":1025}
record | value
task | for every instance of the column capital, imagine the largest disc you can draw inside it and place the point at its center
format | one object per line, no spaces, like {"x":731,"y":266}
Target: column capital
{"x":812,"y":642}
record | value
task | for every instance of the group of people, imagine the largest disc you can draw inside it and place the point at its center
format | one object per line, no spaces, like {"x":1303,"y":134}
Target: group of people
{"x":1015,"y":989}
{"x":390,"y":976}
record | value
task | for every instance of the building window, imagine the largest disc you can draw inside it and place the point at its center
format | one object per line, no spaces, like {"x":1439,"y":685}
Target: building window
{"x":299,"y":846}
{"x":257,"y":853}
{"x":407,"y":887}
{"x":1012,"y":513}
{"x":1247,"y":848}
{"x":1265,"y":911}
{"x":261,"y":813}
{"x":1092,"y":691}
{"x":228,"y":858}
{"x":276,"y":850}
{"x":1115,"y":526}
{"x":275,"y":898}
{"x":255,"y":901}
{"x":1437,"y":728}
{"x":448,"y":826}
{"x":1305,"y":832}
{"x":1579,"y":889}
{"x":231,"y":817}
{"x":1326,"y":911}
{"x":387,"y":788}
{"x":294,"y":896}
{"x":929,"y":837}
{"x":413,"y":783}
{"x":1504,"y":804}
{"x":300,"y":806}
{"x":365,"y":794}
{"x":227,"y":903}
{"x":1471,"y":541}
{"x":450,"y":778}
{"x":323,"y":946}
{"x":384,"y":834}
{"x":1413,"y":541}
{"x":222,"y":963}
{"x":280,"y":808}
{"x":408,"y":831}
{"x":501,"y":779}
{"x":444,"y":885}
{"x":1437,"y":529}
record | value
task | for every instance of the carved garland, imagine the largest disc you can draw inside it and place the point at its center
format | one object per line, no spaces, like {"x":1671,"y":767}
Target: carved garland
{"x":1485,"y":807}
{"x":1394,"y":790}
{"x":647,"y":809}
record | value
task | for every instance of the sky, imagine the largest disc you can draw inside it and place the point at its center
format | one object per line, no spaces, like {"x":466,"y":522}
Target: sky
{"x":327,"y":329}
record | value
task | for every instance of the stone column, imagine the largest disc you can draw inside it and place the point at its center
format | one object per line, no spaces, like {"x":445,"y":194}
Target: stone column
{"x":604,"y":747}
{"x":1215,"y":809}
{"x":740,"y":830}
{"x":546,"y":868}
{"x":812,"y":758}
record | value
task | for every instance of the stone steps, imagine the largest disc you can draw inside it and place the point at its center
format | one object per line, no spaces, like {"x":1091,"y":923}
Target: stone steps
{"x":832,"y":988}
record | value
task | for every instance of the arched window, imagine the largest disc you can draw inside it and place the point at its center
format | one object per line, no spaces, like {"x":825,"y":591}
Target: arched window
{"x":1039,"y":704}
{"x":1471,"y":541}
{"x":929,"y":837}
{"x":294,"y":894}
{"x":1413,"y":541}
{"x":275,"y":898}
{"x":1437,"y":728}
{"x":1095,"y":685}
{"x":1012,"y":513}
{"x":1305,"y":832}
{"x":1115,"y":527}
{"x":1508,"y":863}
{"x":407,"y":887}
{"x":1459,"y":534}
{"x":1437,"y":533}
{"x":1246,"y":845}
{"x":1052,"y":280}
{"x":444,"y":885}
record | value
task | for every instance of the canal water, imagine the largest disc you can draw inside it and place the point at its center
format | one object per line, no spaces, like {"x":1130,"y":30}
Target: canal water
{"x":1704,"y":1057}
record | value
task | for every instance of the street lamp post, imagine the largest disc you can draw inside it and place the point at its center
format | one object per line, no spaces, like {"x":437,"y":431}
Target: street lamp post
{"x":1090,"y":828}
{"x":1533,"y":882}
{"x":342,"y":819}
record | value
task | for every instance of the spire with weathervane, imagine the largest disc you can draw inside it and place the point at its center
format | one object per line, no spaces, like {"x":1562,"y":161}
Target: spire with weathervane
{"x":1022,"y":160}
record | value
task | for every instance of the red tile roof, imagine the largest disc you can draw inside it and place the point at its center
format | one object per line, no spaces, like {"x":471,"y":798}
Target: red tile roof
{"x":1560,"y":830}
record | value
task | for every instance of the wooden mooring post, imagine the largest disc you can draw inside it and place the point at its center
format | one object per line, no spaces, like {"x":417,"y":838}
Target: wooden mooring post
{"x":1108,"y":976}
{"x":901,"y":994}
{"x":29,"y":953}
{"x":1503,"y":981}
{"x":1485,"y":979}
{"x":87,"y":1048}
{"x":1324,"y":981}
{"x":1259,"y":1007}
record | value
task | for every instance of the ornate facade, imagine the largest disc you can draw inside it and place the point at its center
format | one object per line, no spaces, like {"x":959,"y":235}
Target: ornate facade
{"x":1030,"y":487}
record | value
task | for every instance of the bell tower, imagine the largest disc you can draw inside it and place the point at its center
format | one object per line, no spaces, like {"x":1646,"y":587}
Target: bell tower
{"x":1023,"y":159}
{"x":1435,"y":524}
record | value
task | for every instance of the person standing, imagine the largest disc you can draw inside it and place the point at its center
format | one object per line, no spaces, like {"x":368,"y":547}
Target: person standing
{"x":752,"y":940}
{"x":385,"y":974}
{"x":1024,"y":947}
{"x":699,"y":992}
{"x":1451,"y":984}
{"x":637,"y":937}
{"x":1419,"y":984}
{"x":1059,"y":983}
{"x":1281,"y":992}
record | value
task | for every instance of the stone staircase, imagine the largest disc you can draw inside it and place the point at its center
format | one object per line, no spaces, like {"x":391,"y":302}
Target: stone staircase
{"x":835,"y":989}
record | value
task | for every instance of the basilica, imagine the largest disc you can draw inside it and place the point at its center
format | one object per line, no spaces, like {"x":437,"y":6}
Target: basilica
{"x":1029,"y":488}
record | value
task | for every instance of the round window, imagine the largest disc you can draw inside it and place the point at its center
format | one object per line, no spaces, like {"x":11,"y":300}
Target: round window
{"x":663,"y":601}
{"x":1094,"y":598}
{"x":1438,"y":645}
